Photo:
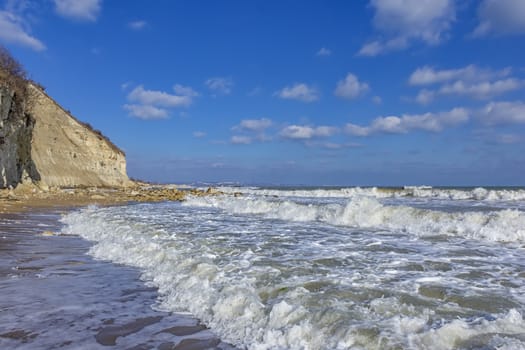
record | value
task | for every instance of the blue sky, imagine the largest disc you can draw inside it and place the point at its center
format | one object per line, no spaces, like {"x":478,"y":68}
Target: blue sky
{"x":379,"y":92}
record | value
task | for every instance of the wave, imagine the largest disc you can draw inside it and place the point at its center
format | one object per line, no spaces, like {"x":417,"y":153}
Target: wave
{"x":479,"y":193}
{"x":368,"y":213}
{"x":236,"y":299}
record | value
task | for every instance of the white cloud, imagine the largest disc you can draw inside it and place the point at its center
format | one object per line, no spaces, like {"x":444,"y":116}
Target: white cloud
{"x":405,"y":21}
{"x":83,"y":10}
{"x":146,"y":112}
{"x":323,"y":51}
{"x":504,"y":112}
{"x":185,"y":90}
{"x":220,"y":85}
{"x":158,"y":98}
{"x":300,"y":92}
{"x":13,"y":30}
{"x":137,"y":25}
{"x":350,"y":87}
{"x":256,"y":125}
{"x":427,"y":75}
{"x":199,"y":134}
{"x":304,"y":132}
{"x":470,"y":81}
{"x":241,"y":140}
{"x":482,"y":90}
{"x":500,"y":17}
{"x":425,"y":96}
{"x":377,"y":100}
{"x":433,"y":122}
{"x":377,"y":47}
{"x":154,"y":104}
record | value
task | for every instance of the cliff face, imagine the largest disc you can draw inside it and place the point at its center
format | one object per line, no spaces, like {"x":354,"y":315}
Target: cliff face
{"x":44,"y":144}
{"x":68,"y":153}
{"x":16,"y":126}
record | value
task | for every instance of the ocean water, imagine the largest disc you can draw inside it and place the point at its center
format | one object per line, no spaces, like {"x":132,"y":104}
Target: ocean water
{"x":340,"y":268}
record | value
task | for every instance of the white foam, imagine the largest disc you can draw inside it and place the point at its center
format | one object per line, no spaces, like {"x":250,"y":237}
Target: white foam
{"x":365,"y":212}
{"x":480,"y":193}
{"x":246,"y":277}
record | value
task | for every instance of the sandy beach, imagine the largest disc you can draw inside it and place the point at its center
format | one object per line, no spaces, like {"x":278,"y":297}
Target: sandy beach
{"x":55,"y":296}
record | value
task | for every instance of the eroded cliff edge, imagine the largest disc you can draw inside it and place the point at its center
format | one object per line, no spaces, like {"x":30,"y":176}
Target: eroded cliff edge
{"x":43,"y":144}
{"x":69,"y":153}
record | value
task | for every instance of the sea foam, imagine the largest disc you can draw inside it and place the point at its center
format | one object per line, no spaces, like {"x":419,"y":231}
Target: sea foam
{"x":276,"y":274}
{"x":368,"y":213}
{"x":478,"y":193}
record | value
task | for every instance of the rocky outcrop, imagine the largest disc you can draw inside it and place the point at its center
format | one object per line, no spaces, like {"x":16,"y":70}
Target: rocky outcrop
{"x":16,"y":127}
{"x":69,"y":153}
{"x":41,"y":143}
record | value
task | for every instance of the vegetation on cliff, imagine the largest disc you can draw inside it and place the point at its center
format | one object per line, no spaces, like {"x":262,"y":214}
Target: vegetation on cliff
{"x":41,"y":143}
{"x":13,"y":77}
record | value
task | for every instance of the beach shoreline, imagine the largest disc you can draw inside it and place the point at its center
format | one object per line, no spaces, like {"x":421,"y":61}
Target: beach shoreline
{"x":25,"y":197}
{"x":57,"y":296}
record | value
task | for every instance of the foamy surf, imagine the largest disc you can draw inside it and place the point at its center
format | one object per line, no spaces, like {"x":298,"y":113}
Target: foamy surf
{"x":310,"y":273}
{"x":365,"y":212}
{"x":479,"y":193}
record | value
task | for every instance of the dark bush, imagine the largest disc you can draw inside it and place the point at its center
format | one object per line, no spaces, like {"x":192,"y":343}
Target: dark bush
{"x":14,"y":77}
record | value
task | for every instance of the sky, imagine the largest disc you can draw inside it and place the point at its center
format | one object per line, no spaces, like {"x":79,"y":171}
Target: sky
{"x":285,"y":92}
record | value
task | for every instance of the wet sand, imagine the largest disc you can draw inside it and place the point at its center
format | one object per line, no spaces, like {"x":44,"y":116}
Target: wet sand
{"x":55,"y":296}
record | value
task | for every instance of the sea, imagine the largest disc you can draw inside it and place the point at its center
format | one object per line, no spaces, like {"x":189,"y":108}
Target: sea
{"x":329,"y":268}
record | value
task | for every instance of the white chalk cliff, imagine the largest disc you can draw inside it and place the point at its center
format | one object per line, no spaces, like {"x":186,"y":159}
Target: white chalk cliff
{"x":44,"y":144}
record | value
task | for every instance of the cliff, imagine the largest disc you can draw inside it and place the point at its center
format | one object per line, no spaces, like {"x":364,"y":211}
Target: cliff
{"x":16,"y":127}
{"x":69,"y":153}
{"x":42,"y":144}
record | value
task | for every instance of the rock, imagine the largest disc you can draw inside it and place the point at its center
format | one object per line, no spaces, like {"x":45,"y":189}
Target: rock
{"x":67,"y":152}
{"x":16,"y":128}
{"x":97,"y":196}
{"x":42,"y":143}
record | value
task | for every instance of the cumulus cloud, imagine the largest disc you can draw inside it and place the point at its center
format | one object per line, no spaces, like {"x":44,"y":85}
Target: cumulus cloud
{"x":137,"y":25}
{"x":482,"y":90}
{"x":496,"y":113}
{"x":185,"y":91}
{"x":500,"y":17}
{"x":82,"y":10}
{"x":158,"y":98}
{"x":427,"y":75}
{"x":199,"y":134}
{"x":256,"y":125}
{"x":14,"y":30}
{"x":146,"y":112}
{"x":220,"y":85}
{"x":378,"y":47}
{"x":323,"y":51}
{"x":241,"y":140}
{"x":425,"y":96}
{"x":304,"y":132}
{"x":405,"y":21}
{"x":154,"y":104}
{"x":253,"y":130}
{"x":433,"y":122}
{"x":300,"y":92}
{"x":350,"y":87}
{"x":470,"y":81}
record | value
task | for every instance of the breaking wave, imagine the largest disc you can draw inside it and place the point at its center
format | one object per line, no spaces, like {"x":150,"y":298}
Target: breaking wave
{"x":479,"y":193}
{"x":368,"y":213}
{"x":260,"y":289}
